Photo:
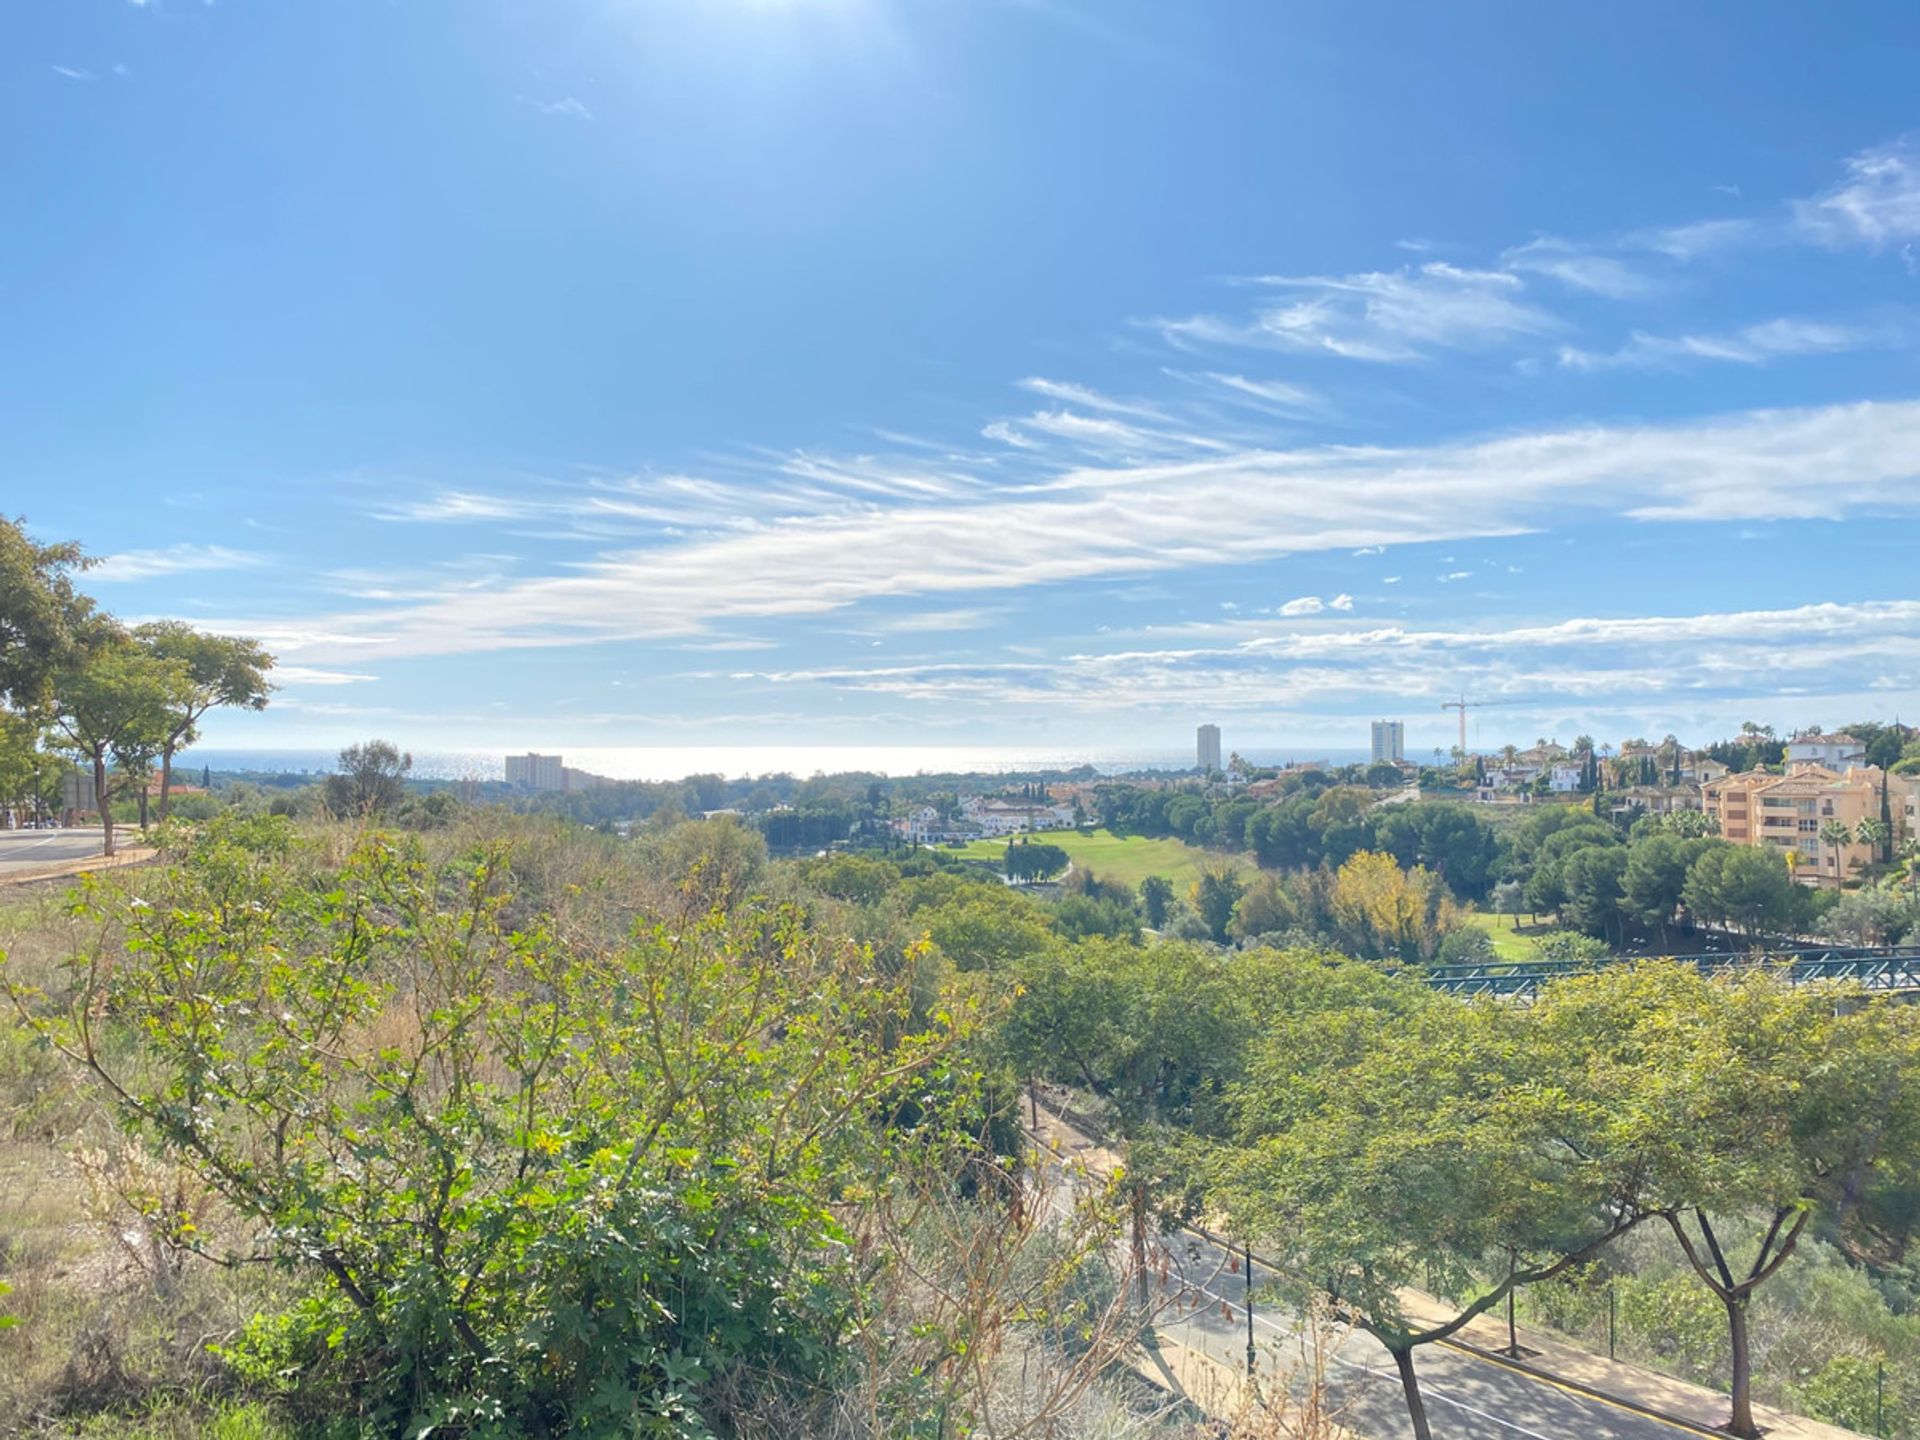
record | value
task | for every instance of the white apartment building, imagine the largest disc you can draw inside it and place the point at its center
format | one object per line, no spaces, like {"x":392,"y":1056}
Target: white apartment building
{"x":533,"y":771}
{"x":1389,"y":741}
{"x":1208,"y":747}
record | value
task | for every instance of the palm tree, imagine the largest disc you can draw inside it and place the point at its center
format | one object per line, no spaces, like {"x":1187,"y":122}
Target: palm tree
{"x":1873,"y":832}
{"x":1835,"y":834}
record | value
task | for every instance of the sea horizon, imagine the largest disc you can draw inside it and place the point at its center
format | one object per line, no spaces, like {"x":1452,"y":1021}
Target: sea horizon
{"x":677,"y":762}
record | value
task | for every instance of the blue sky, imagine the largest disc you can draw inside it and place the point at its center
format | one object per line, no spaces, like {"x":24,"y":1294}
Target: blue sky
{"x":1037,"y":372}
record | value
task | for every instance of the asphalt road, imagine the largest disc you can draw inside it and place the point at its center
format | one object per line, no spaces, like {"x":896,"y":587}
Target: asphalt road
{"x":1202,"y":1298}
{"x":27,"y":849}
{"x":1466,"y":1396}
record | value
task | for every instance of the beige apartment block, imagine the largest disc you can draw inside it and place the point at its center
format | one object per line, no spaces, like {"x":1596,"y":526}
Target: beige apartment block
{"x":1785,"y":814}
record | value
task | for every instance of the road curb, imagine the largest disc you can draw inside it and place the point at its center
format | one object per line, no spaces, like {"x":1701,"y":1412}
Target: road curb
{"x":67,"y":869}
{"x":1592,"y":1392}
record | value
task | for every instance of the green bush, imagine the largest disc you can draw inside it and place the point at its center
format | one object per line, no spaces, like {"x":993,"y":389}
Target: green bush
{"x":529,"y":1179}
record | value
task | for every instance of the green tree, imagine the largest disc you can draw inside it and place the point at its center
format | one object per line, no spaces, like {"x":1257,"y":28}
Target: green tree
{"x":1376,"y":1148}
{"x":1875,"y":833}
{"x":371,"y":779}
{"x":112,"y":710}
{"x":1035,"y":860}
{"x":1156,"y":894}
{"x":1215,"y":893}
{"x":227,"y":671}
{"x":1730,"y":1097}
{"x":1742,"y":886}
{"x":1655,"y":878}
{"x":1592,"y":879}
{"x":1834,"y":835}
{"x":42,"y":615}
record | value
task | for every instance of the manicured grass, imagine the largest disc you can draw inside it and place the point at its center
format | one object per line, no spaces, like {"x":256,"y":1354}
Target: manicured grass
{"x":1508,"y":943}
{"x":1117,"y":857}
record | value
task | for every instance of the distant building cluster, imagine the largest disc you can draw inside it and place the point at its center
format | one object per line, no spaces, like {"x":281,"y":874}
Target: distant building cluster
{"x":1825,"y":811}
{"x":1813,"y":815}
{"x":976,"y":817}
{"x":544,"y":774}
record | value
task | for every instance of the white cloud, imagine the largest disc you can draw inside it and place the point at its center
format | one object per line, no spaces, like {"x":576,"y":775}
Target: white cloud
{"x":1342,"y":601}
{"x":1695,"y":240}
{"x":1387,"y":316}
{"x":1579,"y":268}
{"x":72,"y":72}
{"x":306,"y":675}
{"x":1630,"y":663}
{"x":567,"y":107}
{"x":1753,"y":345}
{"x":1878,"y":202}
{"x":1006,"y":434}
{"x":1268,"y":394}
{"x":1087,"y":398}
{"x":1304,"y":605}
{"x":1453,"y":575}
{"x":174,"y":560}
{"x":912,"y":534}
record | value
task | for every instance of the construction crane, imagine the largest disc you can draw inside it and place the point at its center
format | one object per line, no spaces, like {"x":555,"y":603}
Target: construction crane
{"x":1463,"y":705}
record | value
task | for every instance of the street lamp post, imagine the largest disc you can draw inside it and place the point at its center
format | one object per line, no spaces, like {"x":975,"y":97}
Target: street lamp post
{"x":1248,"y":1251}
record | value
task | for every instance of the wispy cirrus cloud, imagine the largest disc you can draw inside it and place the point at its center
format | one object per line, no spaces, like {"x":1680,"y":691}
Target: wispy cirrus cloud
{"x":1320,"y":666}
{"x":1878,"y":203}
{"x":1580,"y":268}
{"x":1750,"y":345}
{"x":1135,"y":519}
{"x":129,"y":565}
{"x":1391,"y":316}
{"x":567,"y":107}
{"x":308,"y":675}
{"x":1085,"y":396}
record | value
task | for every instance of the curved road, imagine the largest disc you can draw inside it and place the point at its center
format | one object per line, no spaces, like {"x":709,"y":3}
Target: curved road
{"x":1466,"y":1395}
{"x":25,"y":850}
{"x":1202,"y":1298}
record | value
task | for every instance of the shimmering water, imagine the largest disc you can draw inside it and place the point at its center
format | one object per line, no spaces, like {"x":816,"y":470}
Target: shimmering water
{"x":732,"y":761}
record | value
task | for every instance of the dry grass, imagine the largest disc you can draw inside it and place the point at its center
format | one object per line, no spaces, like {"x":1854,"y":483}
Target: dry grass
{"x":108,"y":1316}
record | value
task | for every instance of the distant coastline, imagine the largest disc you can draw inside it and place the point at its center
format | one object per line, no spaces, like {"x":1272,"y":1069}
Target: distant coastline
{"x":667,"y":762}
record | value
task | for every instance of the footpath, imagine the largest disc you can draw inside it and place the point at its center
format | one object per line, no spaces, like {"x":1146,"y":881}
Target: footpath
{"x":1216,"y":1385}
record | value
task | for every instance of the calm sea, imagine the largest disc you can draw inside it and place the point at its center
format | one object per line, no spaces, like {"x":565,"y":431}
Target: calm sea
{"x":734,"y":761}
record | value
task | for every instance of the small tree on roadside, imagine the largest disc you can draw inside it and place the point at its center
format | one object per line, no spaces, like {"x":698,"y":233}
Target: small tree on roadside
{"x":41,"y":615}
{"x":113,"y":710}
{"x":1387,"y":1140}
{"x":1726,"y":1098}
{"x":222,"y":671}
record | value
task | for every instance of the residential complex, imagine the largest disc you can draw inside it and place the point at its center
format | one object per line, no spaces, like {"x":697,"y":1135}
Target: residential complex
{"x":1389,"y":741}
{"x":549,"y":773}
{"x":1811,"y":815}
{"x":536,"y":772}
{"x":1209,"y":747}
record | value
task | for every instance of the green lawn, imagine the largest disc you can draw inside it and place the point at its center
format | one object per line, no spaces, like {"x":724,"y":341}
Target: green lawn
{"x":1508,"y":943}
{"x":1119,"y":857}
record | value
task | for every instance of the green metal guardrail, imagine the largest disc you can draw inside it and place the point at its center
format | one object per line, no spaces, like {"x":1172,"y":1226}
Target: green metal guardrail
{"x":1881,"y":968}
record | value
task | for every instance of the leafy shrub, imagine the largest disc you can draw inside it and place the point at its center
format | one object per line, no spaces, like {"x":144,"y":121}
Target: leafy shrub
{"x":530,"y":1182}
